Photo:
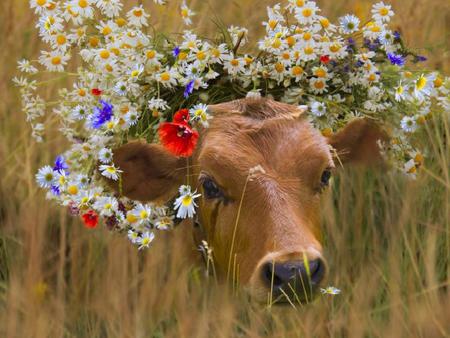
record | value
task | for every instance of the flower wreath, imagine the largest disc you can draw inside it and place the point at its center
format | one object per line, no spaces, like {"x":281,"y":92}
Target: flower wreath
{"x":132,"y":84}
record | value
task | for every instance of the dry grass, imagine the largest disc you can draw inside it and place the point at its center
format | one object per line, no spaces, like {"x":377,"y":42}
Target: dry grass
{"x":388,"y":240}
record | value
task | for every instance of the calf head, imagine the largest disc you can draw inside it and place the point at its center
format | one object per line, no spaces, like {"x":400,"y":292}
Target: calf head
{"x":261,"y":168}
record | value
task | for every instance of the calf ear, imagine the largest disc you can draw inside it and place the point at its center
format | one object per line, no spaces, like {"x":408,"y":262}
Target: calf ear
{"x":358,"y":142}
{"x":150,"y":173}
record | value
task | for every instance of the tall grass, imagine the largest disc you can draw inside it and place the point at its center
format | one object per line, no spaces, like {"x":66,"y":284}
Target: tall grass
{"x":387,"y":239}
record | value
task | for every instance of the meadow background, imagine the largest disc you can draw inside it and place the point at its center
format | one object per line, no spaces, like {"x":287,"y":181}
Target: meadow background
{"x":387,"y":239}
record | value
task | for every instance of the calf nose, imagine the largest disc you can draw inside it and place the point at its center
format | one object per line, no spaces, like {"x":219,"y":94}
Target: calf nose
{"x":293,"y":277}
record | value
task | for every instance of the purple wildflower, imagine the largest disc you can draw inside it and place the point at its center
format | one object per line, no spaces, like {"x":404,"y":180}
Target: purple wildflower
{"x":420,"y":58}
{"x":189,"y":88}
{"x":397,"y":35}
{"x":176,"y":51}
{"x":55,"y":190}
{"x":60,"y":165}
{"x":102,"y":114}
{"x":396,"y":59}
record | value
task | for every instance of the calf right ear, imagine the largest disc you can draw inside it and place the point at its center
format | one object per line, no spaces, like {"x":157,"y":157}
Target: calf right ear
{"x":150,"y":172}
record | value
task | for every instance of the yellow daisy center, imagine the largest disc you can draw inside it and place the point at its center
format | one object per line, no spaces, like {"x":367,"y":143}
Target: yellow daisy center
{"x":201,"y":55}
{"x":325,"y":22}
{"x":421,"y":83}
{"x":319,"y":85}
{"x":279,"y":67}
{"x":335,"y":47}
{"x":307,"y":12}
{"x":61,"y":39}
{"x":383,"y":11}
{"x":106,"y":30}
{"x":182,"y":55}
{"x":131,"y":218}
{"x":143,"y":214}
{"x":297,"y":70}
{"x":165,"y":76}
{"x":56,"y":60}
{"x":137,"y":13}
{"x":308,"y":50}
{"x":234,"y":62}
{"x":41,"y":2}
{"x":372,"y":77}
{"x":272,"y":23}
{"x":320,"y":72}
{"x":83,"y":3}
{"x":276,"y":43}
{"x":150,"y":54}
{"x":104,"y":54}
{"x":121,"y":22}
{"x":187,"y":200}
{"x":72,"y":190}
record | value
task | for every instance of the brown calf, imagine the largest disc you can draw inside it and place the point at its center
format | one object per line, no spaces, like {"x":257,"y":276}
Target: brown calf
{"x":263,"y":224}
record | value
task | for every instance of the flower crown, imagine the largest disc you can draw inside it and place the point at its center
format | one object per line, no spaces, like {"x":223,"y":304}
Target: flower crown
{"x":132,"y":84}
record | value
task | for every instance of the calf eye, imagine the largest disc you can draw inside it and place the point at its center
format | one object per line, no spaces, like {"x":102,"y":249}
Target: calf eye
{"x":325,"y":179}
{"x":211,"y":189}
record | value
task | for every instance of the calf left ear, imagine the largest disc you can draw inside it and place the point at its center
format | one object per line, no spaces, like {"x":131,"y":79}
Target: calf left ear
{"x":150,"y":172}
{"x":358,"y":142}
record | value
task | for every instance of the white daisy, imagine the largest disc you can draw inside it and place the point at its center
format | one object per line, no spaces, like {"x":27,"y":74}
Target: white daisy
{"x":106,"y":206}
{"x":408,"y":124}
{"x":307,"y":13}
{"x":349,"y":24}
{"x":423,"y":86}
{"x":26,"y":66}
{"x":186,"y":14}
{"x":54,"y":61}
{"x":400,"y":92}
{"x":133,"y":236}
{"x":382,"y":12}
{"x":199,"y":113}
{"x":164,"y":223}
{"x":46,"y":177}
{"x":137,"y":17}
{"x":330,"y":290}
{"x":105,"y":155}
{"x":168,"y":78}
{"x":145,"y":240}
{"x":110,"y":8}
{"x":79,"y":112}
{"x":110,"y":171}
{"x":185,"y":204}
{"x":318,"y":108}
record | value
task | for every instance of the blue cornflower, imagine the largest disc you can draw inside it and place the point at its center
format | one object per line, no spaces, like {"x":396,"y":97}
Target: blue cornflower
{"x":55,"y":190}
{"x":102,"y":114}
{"x":60,"y":165}
{"x":396,"y":59}
{"x":397,"y":35}
{"x":189,"y":88}
{"x":176,"y":51}
{"x":420,"y":58}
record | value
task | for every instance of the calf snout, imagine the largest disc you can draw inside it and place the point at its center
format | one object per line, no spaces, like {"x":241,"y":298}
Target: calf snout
{"x":295,"y":279}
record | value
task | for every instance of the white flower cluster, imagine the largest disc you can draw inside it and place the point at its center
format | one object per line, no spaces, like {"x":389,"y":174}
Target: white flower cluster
{"x":130,"y":81}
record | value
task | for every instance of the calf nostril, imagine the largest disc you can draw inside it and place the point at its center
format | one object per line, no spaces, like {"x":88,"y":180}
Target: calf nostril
{"x":316,"y":270}
{"x":294,"y":272}
{"x":270,"y":277}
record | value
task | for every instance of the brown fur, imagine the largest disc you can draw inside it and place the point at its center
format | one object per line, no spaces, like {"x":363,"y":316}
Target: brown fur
{"x":279,"y":215}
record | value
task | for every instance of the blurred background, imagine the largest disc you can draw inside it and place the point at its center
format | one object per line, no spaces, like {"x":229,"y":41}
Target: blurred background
{"x":387,"y":239}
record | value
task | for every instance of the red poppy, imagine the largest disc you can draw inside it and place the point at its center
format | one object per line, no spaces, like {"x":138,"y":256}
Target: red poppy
{"x":96,"y":92}
{"x":90,"y":219}
{"x":178,"y":138}
{"x":181,"y":116}
{"x":324,"y":59}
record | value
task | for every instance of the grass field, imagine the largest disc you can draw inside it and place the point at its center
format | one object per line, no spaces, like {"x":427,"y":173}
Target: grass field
{"x":387,"y":239}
